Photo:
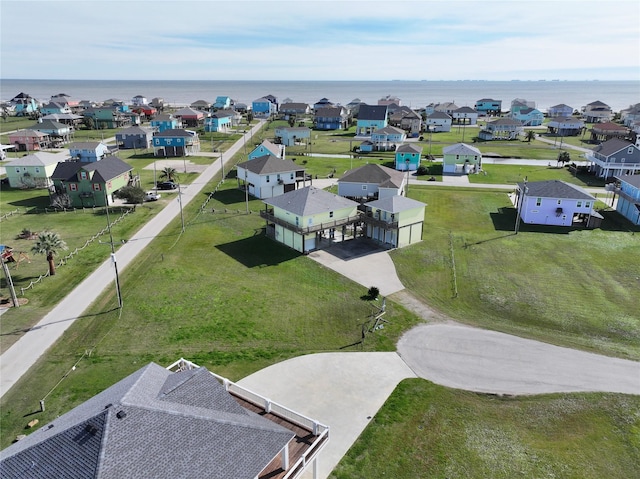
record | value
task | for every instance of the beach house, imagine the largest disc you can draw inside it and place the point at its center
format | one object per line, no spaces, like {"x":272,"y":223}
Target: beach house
{"x":370,"y":119}
{"x":408,"y":157}
{"x":628,"y":204}
{"x":268,"y":176}
{"x":32,"y":171}
{"x":461,"y":159}
{"x":615,"y":157}
{"x":371,"y":182}
{"x":394,"y":222}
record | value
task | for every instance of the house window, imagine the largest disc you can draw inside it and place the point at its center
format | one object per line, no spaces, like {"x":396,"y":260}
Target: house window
{"x":268,"y":179}
{"x":457,"y":157}
{"x":297,"y":221}
{"x":579,"y":204}
{"x":17,"y":170}
{"x":538,"y":201}
{"x":37,"y":169}
{"x":630,"y":150}
{"x":559,"y":202}
{"x":291,"y":176}
{"x":587,"y":204}
{"x":83,"y":175}
{"x":96,"y":187}
{"x":364,"y":187}
{"x":330,"y":214}
{"x":73,"y":187}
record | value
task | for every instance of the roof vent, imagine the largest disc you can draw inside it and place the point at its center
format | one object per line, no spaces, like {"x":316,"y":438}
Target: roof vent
{"x":121,"y":415}
{"x":91,"y":429}
{"x":108,"y":406}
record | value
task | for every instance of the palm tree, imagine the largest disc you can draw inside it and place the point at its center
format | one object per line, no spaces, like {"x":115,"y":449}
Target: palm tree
{"x":530,"y":135}
{"x":168,"y":173}
{"x":49,"y":243}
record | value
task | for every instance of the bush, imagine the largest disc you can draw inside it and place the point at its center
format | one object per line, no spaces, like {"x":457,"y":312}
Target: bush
{"x":131,"y":194}
{"x":373,"y":293}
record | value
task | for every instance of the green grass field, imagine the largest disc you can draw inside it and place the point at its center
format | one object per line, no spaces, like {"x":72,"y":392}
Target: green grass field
{"x":426,"y":430}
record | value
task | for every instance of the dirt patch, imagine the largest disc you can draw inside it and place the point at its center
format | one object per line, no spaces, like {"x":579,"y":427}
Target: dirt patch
{"x":420,"y":308}
{"x":7,"y":303}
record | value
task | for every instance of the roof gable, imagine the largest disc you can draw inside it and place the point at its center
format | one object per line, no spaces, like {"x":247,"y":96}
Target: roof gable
{"x":555,"y":189}
{"x":269,"y":164}
{"x":396,"y":204}
{"x":374,"y":174}
{"x":310,"y":201}
{"x":372,"y":112}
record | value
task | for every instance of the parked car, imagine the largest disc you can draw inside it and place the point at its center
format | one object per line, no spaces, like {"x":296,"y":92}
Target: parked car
{"x":151,"y":196}
{"x":167,"y":185}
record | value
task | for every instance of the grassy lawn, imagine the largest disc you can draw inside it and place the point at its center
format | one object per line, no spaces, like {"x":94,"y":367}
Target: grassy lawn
{"x":496,"y":174}
{"x":223,"y":295}
{"x":564,"y":286}
{"x":426,"y":430}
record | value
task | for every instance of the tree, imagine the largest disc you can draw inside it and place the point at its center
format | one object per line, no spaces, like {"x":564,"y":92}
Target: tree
{"x":564,"y":157}
{"x":89,"y":123}
{"x":530,"y":135}
{"x":169,"y":174}
{"x":292,"y":121}
{"x":49,"y":243}
{"x":132,"y":194}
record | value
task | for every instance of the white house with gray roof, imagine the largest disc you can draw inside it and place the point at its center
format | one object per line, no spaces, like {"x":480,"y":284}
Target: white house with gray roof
{"x":306,"y":218}
{"x":372,"y":182}
{"x":268,"y":176}
{"x":556,"y":203}
{"x":157,"y":424}
{"x":438,"y":121}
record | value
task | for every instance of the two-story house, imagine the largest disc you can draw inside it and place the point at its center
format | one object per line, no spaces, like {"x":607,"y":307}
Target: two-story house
{"x":222,"y":102}
{"x":501,"y":129}
{"x":177,"y":142}
{"x":264,"y":107}
{"x":91,"y":184}
{"x":189,"y":117}
{"x":407,"y":119}
{"x":488,"y":106}
{"x":596,"y":112}
{"x":464,"y":116}
{"x":395,"y":221}
{"x":220,"y":120}
{"x":560,"y":110}
{"x":88,"y":151}
{"x":32,"y":171}
{"x":266,"y":148}
{"x":408,"y":157}
{"x":628,"y":204}
{"x":615,"y":157}
{"x":438,"y":122}
{"x":29,"y":140}
{"x":164,"y":122}
{"x":556,"y":203}
{"x":384,"y":139}
{"x":528,"y":116}
{"x":331,"y":118}
{"x":134,"y":137}
{"x":289,"y":136}
{"x":461,"y":159}
{"x":370,"y":119}
{"x":269,"y":176}
{"x":59,"y":133}
{"x":565,"y":126}
{"x":372,"y":182}
{"x":307,"y":218}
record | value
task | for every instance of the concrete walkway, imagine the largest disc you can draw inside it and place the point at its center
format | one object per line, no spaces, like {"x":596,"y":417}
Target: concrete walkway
{"x":29,"y":348}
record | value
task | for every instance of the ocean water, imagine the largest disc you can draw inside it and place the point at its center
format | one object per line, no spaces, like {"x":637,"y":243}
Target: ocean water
{"x":416,"y":94}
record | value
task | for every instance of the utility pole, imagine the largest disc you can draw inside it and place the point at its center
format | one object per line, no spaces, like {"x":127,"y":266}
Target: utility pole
{"x":14,"y":298}
{"x":246,"y":190}
{"x":180,"y":203}
{"x":523,"y":192}
{"x":113,"y":252}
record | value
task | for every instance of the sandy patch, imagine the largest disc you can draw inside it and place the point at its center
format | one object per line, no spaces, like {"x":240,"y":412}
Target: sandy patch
{"x":179,"y":165}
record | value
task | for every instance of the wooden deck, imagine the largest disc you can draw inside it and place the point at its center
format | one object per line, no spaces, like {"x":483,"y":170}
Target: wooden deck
{"x":298,"y":446}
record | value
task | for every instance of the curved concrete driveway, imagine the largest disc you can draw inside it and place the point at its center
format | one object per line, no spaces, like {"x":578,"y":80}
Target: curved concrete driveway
{"x":474,"y":359}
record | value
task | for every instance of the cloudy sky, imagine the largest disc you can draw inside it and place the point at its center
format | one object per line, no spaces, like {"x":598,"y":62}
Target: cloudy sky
{"x":320,"y":40}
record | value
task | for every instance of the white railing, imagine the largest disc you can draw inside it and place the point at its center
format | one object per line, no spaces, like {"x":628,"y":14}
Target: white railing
{"x":317,"y":428}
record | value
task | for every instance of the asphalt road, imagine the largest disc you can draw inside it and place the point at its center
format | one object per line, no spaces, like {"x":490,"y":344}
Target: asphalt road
{"x":29,"y":348}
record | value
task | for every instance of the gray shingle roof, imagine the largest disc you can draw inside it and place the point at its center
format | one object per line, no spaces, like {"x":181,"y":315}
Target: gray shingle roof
{"x":461,"y":149}
{"x":152,"y":424}
{"x":374,"y":174}
{"x":555,"y":189}
{"x":37,"y":159}
{"x":106,"y":169}
{"x":612,"y":146}
{"x":633,"y":180}
{"x":409,"y":148}
{"x":268,"y":164}
{"x":396,"y":204}
{"x":309,"y":201}
{"x":372,"y":112}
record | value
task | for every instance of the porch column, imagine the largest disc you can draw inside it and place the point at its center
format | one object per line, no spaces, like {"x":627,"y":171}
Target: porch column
{"x":284,"y":457}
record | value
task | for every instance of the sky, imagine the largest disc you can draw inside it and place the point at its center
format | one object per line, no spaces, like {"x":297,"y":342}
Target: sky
{"x":320,"y":40}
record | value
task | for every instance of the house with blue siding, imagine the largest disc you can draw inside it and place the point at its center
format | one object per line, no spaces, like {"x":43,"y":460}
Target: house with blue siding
{"x":331,"y":118}
{"x":266,"y":148}
{"x":54,"y":107}
{"x":88,"y":151}
{"x":264,"y":107}
{"x":370,"y":119}
{"x":528,"y":116}
{"x":221,"y":120}
{"x":387,"y":138}
{"x":488,"y":106}
{"x":628,"y":204}
{"x":222,"y":103}
{"x":23,"y":104}
{"x":176,"y":142}
{"x":134,"y":137}
{"x":408,"y":157}
{"x":165,"y":122}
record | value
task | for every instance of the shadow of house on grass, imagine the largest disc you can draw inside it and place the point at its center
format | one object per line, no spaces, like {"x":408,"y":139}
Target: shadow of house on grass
{"x":258,"y":251}
{"x":505,"y":220}
{"x":234,"y":196}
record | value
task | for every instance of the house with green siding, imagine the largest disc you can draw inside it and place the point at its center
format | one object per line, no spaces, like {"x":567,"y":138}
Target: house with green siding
{"x":91,"y":184}
{"x":395,"y":221}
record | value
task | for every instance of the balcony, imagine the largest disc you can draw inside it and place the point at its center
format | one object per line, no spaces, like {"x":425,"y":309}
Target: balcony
{"x":310,"y":435}
{"x":268,"y":215}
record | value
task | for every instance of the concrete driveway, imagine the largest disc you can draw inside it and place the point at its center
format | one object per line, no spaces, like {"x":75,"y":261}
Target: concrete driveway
{"x":342,"y":390}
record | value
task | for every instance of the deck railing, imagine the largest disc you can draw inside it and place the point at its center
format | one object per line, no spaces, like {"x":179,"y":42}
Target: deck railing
{"x":268,"y":215}
{"x":317,"y":428}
